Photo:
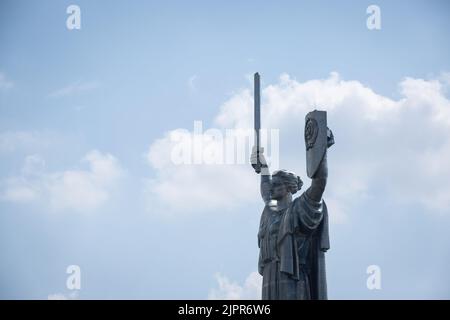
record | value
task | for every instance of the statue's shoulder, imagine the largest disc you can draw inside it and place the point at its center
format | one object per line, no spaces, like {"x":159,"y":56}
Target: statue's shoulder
{"x":299,"y":202}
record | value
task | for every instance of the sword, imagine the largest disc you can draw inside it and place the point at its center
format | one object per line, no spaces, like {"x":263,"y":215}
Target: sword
{"x":257,"y":111}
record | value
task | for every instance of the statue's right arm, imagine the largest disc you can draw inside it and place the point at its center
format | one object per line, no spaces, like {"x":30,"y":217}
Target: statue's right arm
{"x":265,"y":184}
{"x":265,"y":174}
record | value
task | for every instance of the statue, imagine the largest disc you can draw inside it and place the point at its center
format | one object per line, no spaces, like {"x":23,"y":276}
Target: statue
{"x":293,"y":233}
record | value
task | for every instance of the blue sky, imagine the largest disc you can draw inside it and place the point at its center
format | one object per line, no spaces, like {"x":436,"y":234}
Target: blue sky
{"x":90,"y":105}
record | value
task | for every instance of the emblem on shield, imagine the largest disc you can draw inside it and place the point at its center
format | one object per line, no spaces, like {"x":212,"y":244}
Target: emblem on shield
{"x":315,"y":140}
{"x":311,"y":131}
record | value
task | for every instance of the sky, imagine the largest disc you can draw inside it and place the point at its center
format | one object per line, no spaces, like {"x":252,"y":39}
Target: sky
{"x":90,"y":117}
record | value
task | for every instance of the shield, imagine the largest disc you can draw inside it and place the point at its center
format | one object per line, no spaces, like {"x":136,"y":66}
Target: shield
{"x":315,"y":140}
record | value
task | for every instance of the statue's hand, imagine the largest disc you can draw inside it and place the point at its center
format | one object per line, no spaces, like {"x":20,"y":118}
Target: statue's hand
{"x":262,"y":159}
{"x":330,"y":138}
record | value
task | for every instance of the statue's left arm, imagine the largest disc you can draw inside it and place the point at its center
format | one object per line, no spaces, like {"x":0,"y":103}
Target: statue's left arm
{"x":319,"y":180}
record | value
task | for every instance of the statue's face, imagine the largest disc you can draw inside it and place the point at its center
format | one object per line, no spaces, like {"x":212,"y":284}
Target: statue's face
{"x":278,"y":189}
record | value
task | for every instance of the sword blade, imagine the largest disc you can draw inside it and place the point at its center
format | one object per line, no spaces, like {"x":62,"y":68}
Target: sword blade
{"x":257,"y":112}
{"x":257,"y":106}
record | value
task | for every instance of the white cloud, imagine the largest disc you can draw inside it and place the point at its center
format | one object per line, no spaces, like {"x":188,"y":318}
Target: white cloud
{"x":77,"y":189}
{"x":230,"y":290}
{"x":5,"y":83}
{"x":396,"y":149}
{"x":75,"y":88}
{"x":189,"y":188}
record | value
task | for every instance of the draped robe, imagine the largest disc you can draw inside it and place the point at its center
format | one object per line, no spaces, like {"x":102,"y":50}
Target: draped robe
{"x":292,"y":245}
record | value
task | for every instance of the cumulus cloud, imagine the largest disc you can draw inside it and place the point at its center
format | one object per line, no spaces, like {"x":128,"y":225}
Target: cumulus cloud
{"x":192,"y":174}
{"x":231,"y":290}
{"x":75,"y":189}
{"x":398,"y":149}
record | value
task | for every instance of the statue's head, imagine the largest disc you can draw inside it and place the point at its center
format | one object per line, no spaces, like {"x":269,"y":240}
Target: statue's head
{"x":284,"y":182}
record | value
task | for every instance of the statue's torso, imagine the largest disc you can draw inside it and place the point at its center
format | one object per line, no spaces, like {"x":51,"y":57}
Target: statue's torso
{"x":269,"y":234}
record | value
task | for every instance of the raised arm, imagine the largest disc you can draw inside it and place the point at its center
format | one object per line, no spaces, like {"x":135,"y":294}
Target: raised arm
{"x":265,"y":174}
{"x":319,"y":180}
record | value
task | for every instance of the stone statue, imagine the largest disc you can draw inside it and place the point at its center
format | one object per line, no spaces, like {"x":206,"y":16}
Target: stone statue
{"x":293,"y":233}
